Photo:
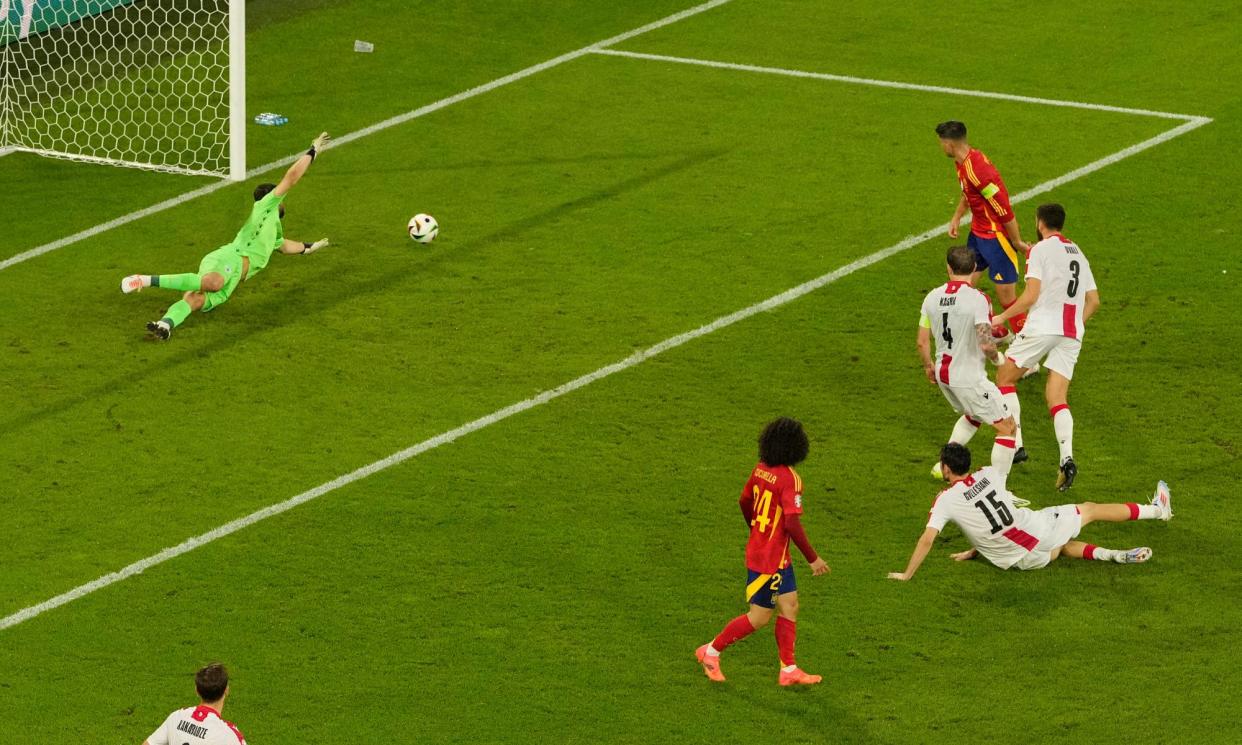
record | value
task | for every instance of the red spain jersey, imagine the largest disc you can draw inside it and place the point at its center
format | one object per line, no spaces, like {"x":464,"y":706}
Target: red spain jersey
{"x":985,"y":193}
{"x":772,"y":494}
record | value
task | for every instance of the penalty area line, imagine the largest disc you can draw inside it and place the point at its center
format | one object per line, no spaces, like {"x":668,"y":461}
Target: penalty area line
{"x":190,"y":196}
{"x":633,"y":360}
{"x":893,"y":84}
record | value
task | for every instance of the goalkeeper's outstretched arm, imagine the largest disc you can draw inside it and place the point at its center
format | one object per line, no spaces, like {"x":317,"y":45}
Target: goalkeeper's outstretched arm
{"x":298,"y":169}
{"x":298,"y":247}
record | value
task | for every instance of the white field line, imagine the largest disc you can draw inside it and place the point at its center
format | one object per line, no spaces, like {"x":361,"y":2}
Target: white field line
{"x":633,"y":360}
{"x":350,"y":137}
{"x":893,"y":84}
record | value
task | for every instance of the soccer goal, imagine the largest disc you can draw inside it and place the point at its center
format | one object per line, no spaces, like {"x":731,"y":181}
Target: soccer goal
{"x":156,"y":84}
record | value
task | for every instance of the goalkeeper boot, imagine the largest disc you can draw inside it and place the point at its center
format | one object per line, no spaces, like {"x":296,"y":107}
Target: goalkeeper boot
{"x":135,"y":283}
{"x":1065,"y":478}
{"x":160,"y":329}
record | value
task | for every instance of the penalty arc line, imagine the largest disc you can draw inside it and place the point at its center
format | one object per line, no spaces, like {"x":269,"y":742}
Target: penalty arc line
{"x":633,"y":360}
{"x":358,"y":134}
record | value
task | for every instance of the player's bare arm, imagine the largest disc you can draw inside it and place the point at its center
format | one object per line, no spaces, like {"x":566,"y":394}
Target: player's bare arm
{"x":1090,"y":305}
{"x":301,"y":165}
{"x":966,"y":555}
{"x":958,"y":214}
{"x":303,"y":247}
{"x":1022,"y":305}
{"x":924,"y":343}
{"x":987,"y":342}
{"x":921,"y":549}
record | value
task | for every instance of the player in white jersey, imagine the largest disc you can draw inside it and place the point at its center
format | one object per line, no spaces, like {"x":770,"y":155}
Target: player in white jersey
{"x":1061,"y":295}
{"x":1010,"y":536}
{"x":202,"y":724}
{"x":959,"y":318}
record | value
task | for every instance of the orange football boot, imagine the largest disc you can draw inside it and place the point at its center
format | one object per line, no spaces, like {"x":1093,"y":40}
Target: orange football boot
{"x":798,"y":677}
{"x":710,"y":663}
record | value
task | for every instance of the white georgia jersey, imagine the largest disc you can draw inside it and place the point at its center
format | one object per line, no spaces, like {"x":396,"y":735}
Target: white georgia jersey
{"x":952,"y":311}
{"x":984,"y":510}
{"x":1065,"y":279}
{"x":197,"y":725}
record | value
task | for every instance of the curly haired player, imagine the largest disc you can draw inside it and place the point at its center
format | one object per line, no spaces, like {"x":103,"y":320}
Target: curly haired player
{"x":771,"y":504}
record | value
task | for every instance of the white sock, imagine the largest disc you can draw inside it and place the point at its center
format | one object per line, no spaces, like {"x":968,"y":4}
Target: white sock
{"x":712,"y":651}
{"x":1002,"y":455}
{"x":789,"y":668}
{"x":146,"y":280}
{"x":1010,"y":396}
{"x":1148,"y":512}
{"x":963,"y":430}
{"x":1106,"y":554}
{"x":1063,"y":425}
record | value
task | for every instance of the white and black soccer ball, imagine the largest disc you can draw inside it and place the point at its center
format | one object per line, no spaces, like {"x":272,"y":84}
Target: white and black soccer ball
{"x":424,"y":228}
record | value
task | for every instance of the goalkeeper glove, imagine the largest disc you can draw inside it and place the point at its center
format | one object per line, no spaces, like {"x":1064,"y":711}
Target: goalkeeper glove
{"x":310,"y":248}
{"x":318,"y":144}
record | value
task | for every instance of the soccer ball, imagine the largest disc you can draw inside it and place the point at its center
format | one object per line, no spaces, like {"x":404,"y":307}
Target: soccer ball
{"x":424,"y":228}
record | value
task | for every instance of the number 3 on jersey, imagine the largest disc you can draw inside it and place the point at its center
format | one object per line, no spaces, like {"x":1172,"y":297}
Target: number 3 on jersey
{"x":762,"y":504}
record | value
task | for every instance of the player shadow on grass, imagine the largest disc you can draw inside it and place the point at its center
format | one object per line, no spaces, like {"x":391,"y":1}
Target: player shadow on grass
{"x":322,"y":295}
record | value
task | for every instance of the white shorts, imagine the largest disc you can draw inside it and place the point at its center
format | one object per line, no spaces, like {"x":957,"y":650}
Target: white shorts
{"x":982,"y":402}
{"x":1058,"y":353}
{"x":1054,"y":527}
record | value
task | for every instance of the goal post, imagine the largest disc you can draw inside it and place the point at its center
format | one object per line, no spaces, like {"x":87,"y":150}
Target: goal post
{"x":154,"y":84}
{"x":237,"y":89}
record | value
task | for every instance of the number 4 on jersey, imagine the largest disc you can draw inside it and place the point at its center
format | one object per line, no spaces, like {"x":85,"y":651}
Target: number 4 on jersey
{"x":763,"y":502}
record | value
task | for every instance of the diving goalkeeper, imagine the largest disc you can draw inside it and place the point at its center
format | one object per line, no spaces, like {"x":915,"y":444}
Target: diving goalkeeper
{"x":222,"y":270}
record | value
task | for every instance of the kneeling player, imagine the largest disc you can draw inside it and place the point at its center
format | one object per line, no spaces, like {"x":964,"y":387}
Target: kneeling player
{"x":1011,"y":536}
{"x":772,"y":506}
{"x":959,"y":316}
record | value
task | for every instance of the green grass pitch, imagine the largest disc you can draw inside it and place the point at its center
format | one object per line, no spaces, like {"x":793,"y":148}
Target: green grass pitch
{"x":547,"y":578}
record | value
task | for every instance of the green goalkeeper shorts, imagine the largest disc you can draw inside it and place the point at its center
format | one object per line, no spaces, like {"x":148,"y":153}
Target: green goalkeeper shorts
{"x":227,"y":262}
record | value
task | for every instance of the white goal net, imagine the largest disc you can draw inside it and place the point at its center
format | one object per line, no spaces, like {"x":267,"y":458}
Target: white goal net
{"x":156,"y":84}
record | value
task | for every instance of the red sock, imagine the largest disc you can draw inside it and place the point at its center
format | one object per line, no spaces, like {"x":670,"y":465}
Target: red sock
{"x":1134,"y":510}
{"x":1088,"y":552}
{"x":1018,"y":322}
{"x":738,"y":628}
{"x":786,"y":635}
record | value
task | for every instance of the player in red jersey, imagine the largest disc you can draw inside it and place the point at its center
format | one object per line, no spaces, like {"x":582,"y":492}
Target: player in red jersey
{"x":771,"y":504}
{"x":994,"y":233}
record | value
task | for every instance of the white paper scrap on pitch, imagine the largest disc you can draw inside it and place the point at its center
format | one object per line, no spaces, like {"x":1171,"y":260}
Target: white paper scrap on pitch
{"x":363,"y":46}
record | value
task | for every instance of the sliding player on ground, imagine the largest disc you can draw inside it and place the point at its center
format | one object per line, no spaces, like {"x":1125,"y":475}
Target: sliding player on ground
{"x":1012,"y":536}
{"x":1061,"y":295}
{"x":222,"y":270}
{"x":959,"y":317}
{"x":201,"y":724}
{"x":994,"y":234}
{"x":771,"y":504}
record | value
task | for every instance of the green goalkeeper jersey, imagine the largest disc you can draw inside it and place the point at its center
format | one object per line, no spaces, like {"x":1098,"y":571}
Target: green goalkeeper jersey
{"x":262,"y":234}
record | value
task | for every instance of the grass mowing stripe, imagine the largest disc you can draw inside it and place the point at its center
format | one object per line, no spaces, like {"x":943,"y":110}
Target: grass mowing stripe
{"x":635,"y":359}
{"x":358,"y":134}
{"x":893,"y":84}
